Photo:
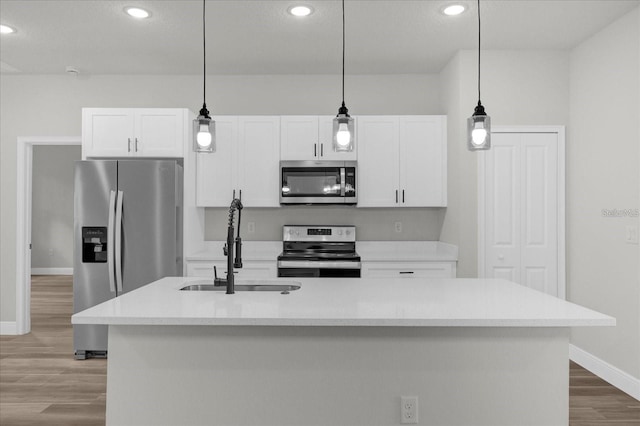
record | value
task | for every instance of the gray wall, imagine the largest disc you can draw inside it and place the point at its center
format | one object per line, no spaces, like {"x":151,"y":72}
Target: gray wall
{"x":52,"y":206}
{"x":603,"y":165}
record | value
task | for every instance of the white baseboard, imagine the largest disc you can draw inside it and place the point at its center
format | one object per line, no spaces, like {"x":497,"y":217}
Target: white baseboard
{"x":607,"y":372}
{"x":8,"y":328}
{"x":51,"y":271}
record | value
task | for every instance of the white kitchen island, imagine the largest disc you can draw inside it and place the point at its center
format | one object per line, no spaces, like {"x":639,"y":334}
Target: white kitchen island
{"x":339,"y":352}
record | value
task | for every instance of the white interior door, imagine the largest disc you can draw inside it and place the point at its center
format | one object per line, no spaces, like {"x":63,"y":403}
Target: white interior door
{"x":521,"y":202}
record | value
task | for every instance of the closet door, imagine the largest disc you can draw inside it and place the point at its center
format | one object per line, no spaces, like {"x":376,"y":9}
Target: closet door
{"x":520,"y":217}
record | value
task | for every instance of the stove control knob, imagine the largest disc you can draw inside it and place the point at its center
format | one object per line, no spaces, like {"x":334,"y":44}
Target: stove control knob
{"x":290,"y":231}
{"x":348,"y":232}
{"x":297,"y":232}
{"x":340,"y":232}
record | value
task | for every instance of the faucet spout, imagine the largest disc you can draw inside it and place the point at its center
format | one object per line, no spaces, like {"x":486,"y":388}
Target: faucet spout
{"x":236,"y":204}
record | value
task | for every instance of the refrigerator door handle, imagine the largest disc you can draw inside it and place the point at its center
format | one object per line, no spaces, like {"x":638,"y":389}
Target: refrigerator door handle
{"x":118,"y":244}
{"x":110,"y":244}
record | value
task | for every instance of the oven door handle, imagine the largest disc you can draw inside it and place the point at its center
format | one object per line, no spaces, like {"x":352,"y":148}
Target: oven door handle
{"x":343,"y":182}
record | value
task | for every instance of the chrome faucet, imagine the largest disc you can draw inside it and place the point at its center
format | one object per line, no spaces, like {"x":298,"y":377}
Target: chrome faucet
{"x":232,"y":262}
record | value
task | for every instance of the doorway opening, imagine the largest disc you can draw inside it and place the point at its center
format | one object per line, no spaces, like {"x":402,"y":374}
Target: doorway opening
{"x":24,"y":211}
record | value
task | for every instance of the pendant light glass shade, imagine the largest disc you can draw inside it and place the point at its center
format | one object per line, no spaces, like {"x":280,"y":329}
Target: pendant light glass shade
{"x":479,"y":124}
{"x":479,"y":130}
{"x":204,"y":132}
{"x":343,"y":127}
{"x":343,"y":131}
{"x":204,"y":128}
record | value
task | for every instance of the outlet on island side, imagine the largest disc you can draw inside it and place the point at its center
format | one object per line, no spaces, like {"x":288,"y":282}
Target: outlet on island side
{"x":251,"y":227}
{"x":409,"y":410}
{"x":398,"y":227}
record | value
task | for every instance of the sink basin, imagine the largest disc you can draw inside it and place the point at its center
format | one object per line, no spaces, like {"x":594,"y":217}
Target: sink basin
{"x":245,"y":285}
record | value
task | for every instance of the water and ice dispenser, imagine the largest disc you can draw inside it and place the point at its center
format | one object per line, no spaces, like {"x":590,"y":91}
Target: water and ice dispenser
{"x":94,"y":244}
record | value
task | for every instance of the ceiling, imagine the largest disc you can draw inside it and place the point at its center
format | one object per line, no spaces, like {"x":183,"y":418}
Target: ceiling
{"x":260,"y":37}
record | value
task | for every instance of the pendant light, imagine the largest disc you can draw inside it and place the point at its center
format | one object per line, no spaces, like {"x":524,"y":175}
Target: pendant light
{"x":343,"y":132}
{"x":479,"y":124}
{"x":204,"y":128}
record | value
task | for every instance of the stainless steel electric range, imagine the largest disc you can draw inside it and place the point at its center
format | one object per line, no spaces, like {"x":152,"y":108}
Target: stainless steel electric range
{"x":319,"y":251}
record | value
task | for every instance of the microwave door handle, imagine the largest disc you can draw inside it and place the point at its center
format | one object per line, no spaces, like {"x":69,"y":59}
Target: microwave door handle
{"x":343,"y":182}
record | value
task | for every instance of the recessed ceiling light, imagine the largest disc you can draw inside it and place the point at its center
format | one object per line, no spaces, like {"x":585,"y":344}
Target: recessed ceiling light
{"x":454,"y":9}
{"x":300,"y":10}
{"x":5,"y":29}
{"x":136,"y":12}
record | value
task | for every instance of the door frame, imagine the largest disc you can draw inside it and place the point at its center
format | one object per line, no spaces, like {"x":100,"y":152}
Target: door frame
{"x":23,"y":222}
{"x":560,"y":132}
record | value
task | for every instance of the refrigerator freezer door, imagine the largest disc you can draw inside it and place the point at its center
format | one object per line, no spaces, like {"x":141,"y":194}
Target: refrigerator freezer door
{"x":151,"y":221}
{"x":93,"y":183}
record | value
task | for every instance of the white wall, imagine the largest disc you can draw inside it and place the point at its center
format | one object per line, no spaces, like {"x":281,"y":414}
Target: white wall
{"x":57,"y":101}
{"x":603,"y":162}
{"x":52,"y":206}
{"x":518,"y":88}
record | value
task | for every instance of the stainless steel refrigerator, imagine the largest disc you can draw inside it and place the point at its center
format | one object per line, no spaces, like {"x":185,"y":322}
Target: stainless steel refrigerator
{"x":128,"y":233}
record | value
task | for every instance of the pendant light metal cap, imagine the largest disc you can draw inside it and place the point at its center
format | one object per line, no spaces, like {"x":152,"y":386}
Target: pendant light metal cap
{"x":343,"y":111}
{"x":479,"y":110}
{"x":204,"y":112}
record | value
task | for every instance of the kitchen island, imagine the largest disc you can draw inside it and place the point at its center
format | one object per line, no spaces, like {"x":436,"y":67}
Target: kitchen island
{"x":338,"y":352}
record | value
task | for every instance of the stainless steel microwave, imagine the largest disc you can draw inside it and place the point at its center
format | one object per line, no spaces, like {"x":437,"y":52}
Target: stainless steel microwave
{"x":318,"y":182}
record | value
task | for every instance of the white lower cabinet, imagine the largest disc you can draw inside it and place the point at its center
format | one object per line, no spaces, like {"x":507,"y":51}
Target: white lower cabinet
{"x":408,"y":269}
{"x":249,"y":270}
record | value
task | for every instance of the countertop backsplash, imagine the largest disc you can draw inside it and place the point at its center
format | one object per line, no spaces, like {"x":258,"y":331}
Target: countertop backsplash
{"x":379,"y":224}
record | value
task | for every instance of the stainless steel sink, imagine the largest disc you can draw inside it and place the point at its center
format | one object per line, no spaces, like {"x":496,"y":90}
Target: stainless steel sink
{"x":245,"y":285}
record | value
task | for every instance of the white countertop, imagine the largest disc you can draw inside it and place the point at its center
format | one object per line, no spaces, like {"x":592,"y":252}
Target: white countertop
{"x":347,"y":302}
{"x":387,"y":251}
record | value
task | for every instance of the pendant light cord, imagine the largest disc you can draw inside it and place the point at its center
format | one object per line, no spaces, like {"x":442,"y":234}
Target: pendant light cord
{"x":478,"y":52}
{"x":204,"y":55}
{"x":343,"y":52}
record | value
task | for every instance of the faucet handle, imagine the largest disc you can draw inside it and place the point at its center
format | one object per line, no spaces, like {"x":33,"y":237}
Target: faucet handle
{"x":225,"y":250}
{"x":215,"y":272}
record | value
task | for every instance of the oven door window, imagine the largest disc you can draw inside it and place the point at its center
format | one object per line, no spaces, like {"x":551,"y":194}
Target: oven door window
{"x":311,"y":182}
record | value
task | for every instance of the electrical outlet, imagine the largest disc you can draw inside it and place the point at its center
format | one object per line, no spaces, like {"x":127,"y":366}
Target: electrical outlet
{"x":632,"y":235}
{"x":51,"y":252}
{"x":251,"y":227}
{"x":409,"y":410}
{"x":398,"y":226}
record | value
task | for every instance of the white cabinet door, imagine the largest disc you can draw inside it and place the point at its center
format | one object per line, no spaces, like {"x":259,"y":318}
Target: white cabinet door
{"x":310,"y":137}
{"x":159,"y":132}
{"x":422,"y":161}
{"x":133,"y":132}
{"x":408,"y":269}
{"x":521,"y":228}
{"x":378,"y":161}
{"x":107,"y":132}
{"x":258,"y":160}
{"x":299,"y":138}
{"x":215,"y":172}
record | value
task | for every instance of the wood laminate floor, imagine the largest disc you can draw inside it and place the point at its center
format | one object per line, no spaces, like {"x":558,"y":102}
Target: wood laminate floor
{"x":42,"y":384}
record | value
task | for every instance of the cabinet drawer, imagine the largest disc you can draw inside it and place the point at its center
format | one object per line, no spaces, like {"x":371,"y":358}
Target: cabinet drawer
{"x":409,"y":270}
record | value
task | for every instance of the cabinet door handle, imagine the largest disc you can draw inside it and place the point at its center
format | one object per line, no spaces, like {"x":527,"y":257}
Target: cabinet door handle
{"x":406,"y":272}
{"x":321,"y":150}
{"x":128,"y":144}
{"x":315,"y":150}
{"x":403,"y":196}
{"x":396,"y":196}
{"x":136,"y":144}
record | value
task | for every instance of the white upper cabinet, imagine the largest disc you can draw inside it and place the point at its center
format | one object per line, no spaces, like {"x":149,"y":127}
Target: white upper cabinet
{"x":402,"y":161}
{"x":134,"y":132}
{"x":246,"y":162}
{"x":310,"y":137}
